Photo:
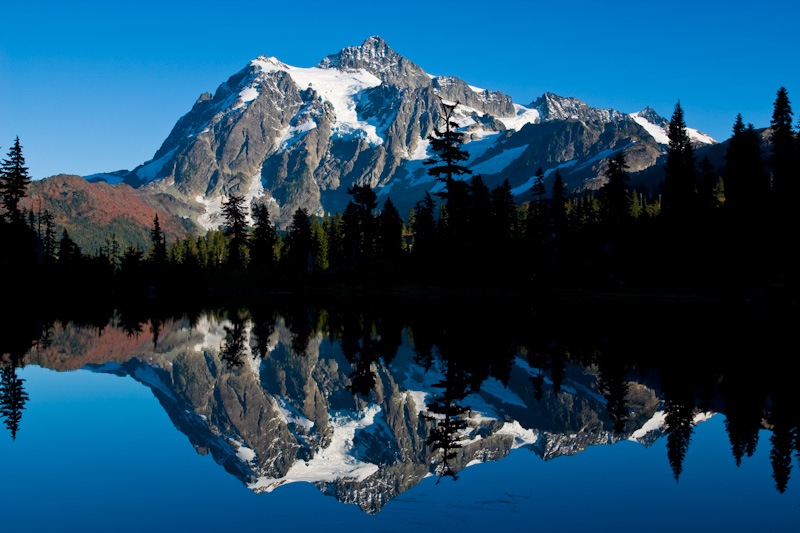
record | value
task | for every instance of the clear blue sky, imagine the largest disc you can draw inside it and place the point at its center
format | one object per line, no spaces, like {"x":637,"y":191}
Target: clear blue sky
{"x":97,"y":86}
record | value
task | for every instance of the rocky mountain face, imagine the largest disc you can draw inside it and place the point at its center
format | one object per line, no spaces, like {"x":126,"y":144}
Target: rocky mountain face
{"x":280,"y":411}
{"x":294,"y":137}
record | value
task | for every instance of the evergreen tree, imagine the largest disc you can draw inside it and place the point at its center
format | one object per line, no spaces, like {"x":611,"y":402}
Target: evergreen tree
{"x":14,"y":181}
{"x":361,"y":226}
{"x":319,"y":245}
{"x":536,"y":218}
{"x":783,"y":149}
{"x":390,"y":239}
{"x":12,"y":399}
{"x":678,"y":418}
{"x":236,"y":228}
{"x":504,"y":211}
{"x":112,"y":251}
{"x":615,"y":201}
{"x":447,"y":146}
{"x":131,"y":259}
{"x":299,"y":242}
{"x":707,"y":185}
{"x":559,"y":205}
{"x":424,"y":228}
{"x":445,"y":166}
{"x":158,"y":244}
{"x":334,"y":231}
{"x":262,"y":247}
{"x":49,"y":237}
{"x":680,"y":179}
{"x":480,"y":205}
{"x":746,"y":185}
{"x":68,"y":252}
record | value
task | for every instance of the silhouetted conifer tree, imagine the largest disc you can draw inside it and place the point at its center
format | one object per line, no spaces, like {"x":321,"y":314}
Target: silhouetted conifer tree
{"x":14,"y":181}
{"x":559,"y":205}
{"x":236,"y":228}
{"x":447,"y":146}
{"x":504,"y":211}
{"x":12,"y":399}
{"x":158,"y":244}
{"x":615,"y":201}
{"x":783,"y":150}
{"x":262,"y":247}
{"x":679,"y":431}
{"x":424,"y":228}
{"x":746,"y":186}
{"x":680,"y":180}
{"x":299,"y":242}
{"x":391,"y":232}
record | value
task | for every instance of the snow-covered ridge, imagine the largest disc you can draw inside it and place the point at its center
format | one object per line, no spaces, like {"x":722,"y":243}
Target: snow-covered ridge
{"x":524,"y":116}
{"x":334,"y":462}
{"x":661,"y":133}
{"x":336,"y":87}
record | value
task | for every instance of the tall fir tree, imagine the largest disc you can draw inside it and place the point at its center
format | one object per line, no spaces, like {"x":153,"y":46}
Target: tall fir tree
{"x":784,"y":181}
{"x":12,"y":398}
{"x":390,"y":241}
{"x":680,"y":181}
{"x":504,"y":211}
{"x":236,"y":228}
{"x":536,"y":227}
{"x":424,"y":228}
{"x":559,"y":205}
{"x":158,"y":244}
{"x":14,"y":181}
{"x":298,"y":239}
{"x":446,"y":166}
{"x":262,"y":245}
{"x":615,"y":200}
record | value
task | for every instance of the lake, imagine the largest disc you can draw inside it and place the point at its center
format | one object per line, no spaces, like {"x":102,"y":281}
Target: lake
{"x":402,"y":415}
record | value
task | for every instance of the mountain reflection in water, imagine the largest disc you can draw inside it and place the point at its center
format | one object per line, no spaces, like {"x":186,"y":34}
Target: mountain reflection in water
{"x":366,"y":402}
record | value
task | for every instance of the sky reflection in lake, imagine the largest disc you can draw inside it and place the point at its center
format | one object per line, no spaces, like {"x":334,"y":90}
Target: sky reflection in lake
{"x":98,"y":452}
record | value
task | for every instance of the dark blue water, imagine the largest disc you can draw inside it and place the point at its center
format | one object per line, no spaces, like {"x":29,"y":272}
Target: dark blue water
{"x":97,"y":452}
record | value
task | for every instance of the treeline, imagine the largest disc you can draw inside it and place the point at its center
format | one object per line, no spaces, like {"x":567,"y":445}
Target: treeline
{"x":729,"y":229}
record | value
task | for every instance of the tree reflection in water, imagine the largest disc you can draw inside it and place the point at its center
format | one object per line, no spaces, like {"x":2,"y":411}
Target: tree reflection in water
{"x":541,"y":354}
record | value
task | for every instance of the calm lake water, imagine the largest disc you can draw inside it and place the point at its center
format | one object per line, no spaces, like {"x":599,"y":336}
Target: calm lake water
{"x":308,"y":417}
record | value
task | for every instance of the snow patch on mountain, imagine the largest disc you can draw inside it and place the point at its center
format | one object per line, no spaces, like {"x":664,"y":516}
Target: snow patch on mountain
{"x":603,"y":154}
{"x":657,"y":132}
{"x":334,"y":462}
{"x":656,"y":423}
{"x":494,"y":387}
{"x":523,"y":116}
{"x":522,"y":436}
{"x":700,"y":137}
{"x":526,"y":187}
{"x":213,"y":334}
{"x":292,"y":134}
{"x":291,"y":415}
{"x":496,"y":164}
{"x":421,"y":151}
{"x":150,"y":170}
{"x":245,"y":454}
{"x":661,"y":133}
{"x":212,"y":216}
{"x":147,"y":375}
{"x":337,"y":87}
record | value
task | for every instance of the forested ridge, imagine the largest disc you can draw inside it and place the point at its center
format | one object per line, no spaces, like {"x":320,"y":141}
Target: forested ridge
{"x":721,"y":230}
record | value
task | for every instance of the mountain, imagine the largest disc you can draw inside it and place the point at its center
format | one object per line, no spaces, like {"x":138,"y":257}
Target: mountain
{"x":93,"y":212}
{"x":292,"y":137}
{"x":285,"y":416}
